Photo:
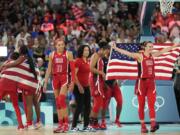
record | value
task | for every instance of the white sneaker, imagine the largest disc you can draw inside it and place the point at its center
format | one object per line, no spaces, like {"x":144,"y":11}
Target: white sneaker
{"x":38,"y":125}
{"x":89,"y":129}
{"x":74,"y":129}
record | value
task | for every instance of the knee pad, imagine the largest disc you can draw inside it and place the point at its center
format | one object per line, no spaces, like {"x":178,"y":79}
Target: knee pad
{"x":62,"y":101}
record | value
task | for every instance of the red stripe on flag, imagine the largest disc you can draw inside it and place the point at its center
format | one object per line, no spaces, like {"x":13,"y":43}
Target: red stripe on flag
{"x":121,"y":63}
{"x":21,"y":76}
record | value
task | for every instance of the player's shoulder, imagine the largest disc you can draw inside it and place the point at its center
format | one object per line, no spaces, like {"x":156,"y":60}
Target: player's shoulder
{"x":52,"y":54}
{"x":69,"y":52}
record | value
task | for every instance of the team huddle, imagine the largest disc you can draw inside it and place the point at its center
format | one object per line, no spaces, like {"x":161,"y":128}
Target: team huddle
{"x":85,"y":77}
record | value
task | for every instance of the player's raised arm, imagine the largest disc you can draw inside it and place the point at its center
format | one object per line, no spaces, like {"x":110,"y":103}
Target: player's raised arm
{"x":136,"y":56}
{"x":156,"y":54}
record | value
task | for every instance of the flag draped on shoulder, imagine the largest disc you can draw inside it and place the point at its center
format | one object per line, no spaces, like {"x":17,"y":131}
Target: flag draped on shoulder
{"x":22,"y":75}
{"x":123,"y":67}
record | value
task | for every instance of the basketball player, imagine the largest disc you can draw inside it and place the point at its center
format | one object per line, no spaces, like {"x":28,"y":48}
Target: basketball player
{"x":58,"y":68}
{"x":145,"y":84}
{"x":97,"y":77}
{"x":11,"y":90}
{"x":28,"y":93}
{"x":111,"y":90}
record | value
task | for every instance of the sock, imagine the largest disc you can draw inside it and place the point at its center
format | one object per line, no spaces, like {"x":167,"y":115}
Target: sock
{"x":153,"y":122}
{"x":66,"y":120}
{"x":29,"y":122}
{"x":143,"y":125}
{"x":60,"y":122}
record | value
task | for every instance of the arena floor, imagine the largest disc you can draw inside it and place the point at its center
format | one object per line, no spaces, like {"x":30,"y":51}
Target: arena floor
{"x":130,"y":129}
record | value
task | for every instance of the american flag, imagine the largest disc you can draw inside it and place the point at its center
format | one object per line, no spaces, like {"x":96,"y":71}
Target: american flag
{"x":123,"y":67}
{"x":24,"y":78}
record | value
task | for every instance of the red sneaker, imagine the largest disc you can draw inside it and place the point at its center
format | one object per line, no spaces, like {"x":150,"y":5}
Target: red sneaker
{"x":103,"y":126}
{"x":144,"y":129}
{"x":59,"y":129}
{"x":117,"y":122}
{"x":20,"y":128}
{"x":66,"y":127}
{"x":96,"y":126}
{"x":154,"y":127}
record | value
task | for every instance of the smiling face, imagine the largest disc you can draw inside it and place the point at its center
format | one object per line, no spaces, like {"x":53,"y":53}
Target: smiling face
{"x":86,"y":52}
{"x":60,"y":45}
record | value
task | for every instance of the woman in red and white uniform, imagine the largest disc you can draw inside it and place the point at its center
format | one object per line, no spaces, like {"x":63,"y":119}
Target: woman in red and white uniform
{"x":145,"y":84}
{"x":59,"y":62}
{"x":97,"y":78}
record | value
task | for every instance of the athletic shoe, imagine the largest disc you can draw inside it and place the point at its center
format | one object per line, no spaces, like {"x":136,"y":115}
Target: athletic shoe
{"x":74,"y":129}
{"x":38,"y":125}
{"x":97,"y":126}
{"x":59,"y":129}
{"x":29,"y":127}
{"x":20,"y":128}
{"x":89,"y":129}
{"x":154,"y":127}
{"x":144,"y":129}
{"x":103,"y":126}
{"x":117,"y":123}
{"x":66,"y":127}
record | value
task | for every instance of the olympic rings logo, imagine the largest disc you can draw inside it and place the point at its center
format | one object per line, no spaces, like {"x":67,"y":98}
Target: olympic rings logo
{"x":160,"y":101}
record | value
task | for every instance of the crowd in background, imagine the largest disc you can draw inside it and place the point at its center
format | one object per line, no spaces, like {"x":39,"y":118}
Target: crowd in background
{"x":166,"y":28}
{"x":36,"y":24}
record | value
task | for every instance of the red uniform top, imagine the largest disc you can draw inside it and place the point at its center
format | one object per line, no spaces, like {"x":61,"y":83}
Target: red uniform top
{"x":59,"y":63}
{"x":146,"y":67}
{"x":98,"y":79}
{"x":83,"y":71}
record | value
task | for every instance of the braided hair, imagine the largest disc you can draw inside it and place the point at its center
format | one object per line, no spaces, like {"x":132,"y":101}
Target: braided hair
{"x":24,"y":51}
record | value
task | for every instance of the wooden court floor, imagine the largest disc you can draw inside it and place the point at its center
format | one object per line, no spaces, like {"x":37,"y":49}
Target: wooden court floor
{"x":130,"y":129}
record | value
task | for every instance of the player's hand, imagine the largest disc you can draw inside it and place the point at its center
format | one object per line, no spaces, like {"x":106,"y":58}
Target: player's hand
{"x":45,"y":87}
{"x":113,"y":45}
{"x":81,"y":89}
{"x":103,"y":74}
